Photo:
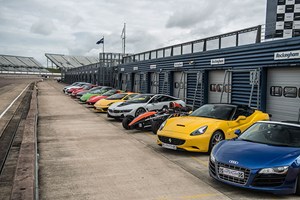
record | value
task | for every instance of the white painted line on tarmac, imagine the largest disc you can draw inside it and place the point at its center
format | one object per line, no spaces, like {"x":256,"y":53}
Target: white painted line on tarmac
{"x":10,"y":105}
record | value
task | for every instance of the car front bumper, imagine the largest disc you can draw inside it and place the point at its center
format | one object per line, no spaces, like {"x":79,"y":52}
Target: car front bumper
{"x":288,"y":185}
{"x":184,"y":141}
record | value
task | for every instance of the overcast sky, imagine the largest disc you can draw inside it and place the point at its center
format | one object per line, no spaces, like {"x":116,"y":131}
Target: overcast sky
{"x":72,"y":27}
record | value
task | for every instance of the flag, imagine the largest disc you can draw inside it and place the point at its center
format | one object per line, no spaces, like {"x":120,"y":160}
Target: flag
{"x":101,"y":41}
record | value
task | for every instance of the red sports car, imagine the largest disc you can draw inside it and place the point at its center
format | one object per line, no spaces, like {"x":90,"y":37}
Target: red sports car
{"x":83,"y":87}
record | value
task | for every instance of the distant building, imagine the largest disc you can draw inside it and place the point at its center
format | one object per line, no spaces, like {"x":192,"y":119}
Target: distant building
{"x":283,"y":19}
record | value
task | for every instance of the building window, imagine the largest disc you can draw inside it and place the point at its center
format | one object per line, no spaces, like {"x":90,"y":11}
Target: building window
{"x":227,"y":88}
{"x":276,"y":91}
{"x":297,"y":16}
{"x":219,"y":87}
{"x":296,"y":32}
{"x":297,"y":1}
{"x":288,"y":25}
{"x":290,"y":92}
{"x":289,"y":8}
{"x":279,"y":33}
{"x":281,"y":2}
{"x":280,"y":17}
{"x":212,"y":87}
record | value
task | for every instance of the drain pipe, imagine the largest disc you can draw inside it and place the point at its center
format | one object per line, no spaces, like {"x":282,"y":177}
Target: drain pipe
{"x":299,"y":116}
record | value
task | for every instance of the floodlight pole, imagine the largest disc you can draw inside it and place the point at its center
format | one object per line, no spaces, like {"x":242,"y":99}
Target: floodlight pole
{"x":124,"y":38}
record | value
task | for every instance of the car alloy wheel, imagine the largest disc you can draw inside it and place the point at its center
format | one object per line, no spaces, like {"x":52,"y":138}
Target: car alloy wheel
{"x":139,"y":111}
{"x":215,"y":139}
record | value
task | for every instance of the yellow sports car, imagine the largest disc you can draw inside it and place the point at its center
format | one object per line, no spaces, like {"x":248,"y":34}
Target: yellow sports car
{"x":103,"y":104}
{"x":206,"y":126}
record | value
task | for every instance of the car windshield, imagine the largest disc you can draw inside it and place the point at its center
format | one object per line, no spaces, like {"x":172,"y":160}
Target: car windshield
{"x":109,"y":93}
{"x":86,"y":87}
{"x":99,"y":91}
{"x":223,"y":112}
{"x":273,"y":134}
{"x":116,"y":96}
{"x":95,"y":88}
{"x":141,"y":98}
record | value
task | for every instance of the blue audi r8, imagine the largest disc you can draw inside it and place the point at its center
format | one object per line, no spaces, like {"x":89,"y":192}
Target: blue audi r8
{"x":265,"y":157}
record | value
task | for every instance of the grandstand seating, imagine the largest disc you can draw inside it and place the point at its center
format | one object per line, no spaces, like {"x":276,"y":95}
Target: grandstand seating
{"x":20,"y":65}
{"x":68,"y":62}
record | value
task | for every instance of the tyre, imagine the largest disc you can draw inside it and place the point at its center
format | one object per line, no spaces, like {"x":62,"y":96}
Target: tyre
{"x":126,"y":121}
{"x":215,"y":138}
{"x":139,"y":111}
{"x":155,"y":125}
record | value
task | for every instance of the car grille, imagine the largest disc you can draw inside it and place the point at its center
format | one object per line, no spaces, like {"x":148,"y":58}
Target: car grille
{"x":169,"y":140}
{"x":212,"y":168}
{"x":115,"y":111}
{"x":268,"y":180}
{"x":230,"y":178}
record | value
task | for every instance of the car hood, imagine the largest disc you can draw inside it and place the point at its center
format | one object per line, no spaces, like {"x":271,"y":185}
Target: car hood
{"x":97,"y":98}
{"x":254,"y":155}
{"x":121,"y":106}
{"x":82,"y":92}
{"x":188,"y":124}
{"x":105,"y":102}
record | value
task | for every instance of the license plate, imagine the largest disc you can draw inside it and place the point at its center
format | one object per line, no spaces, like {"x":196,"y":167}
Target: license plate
{"x":169,"y":146}
{"x":230,"y":172}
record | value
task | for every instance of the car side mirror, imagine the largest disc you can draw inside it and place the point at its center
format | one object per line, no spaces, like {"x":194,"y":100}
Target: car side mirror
{"x":241,"y":118}
{"x":238,"y":132}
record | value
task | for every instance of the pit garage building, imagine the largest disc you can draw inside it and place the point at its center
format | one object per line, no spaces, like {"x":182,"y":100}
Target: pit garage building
{"x":236,"y":67}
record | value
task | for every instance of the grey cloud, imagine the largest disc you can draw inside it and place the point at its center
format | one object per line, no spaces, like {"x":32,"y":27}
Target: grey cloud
{"x":43,"y":27}
{"x":73,"y":26}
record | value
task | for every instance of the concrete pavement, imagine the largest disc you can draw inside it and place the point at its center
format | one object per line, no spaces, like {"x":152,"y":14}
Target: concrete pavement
{"x":85,"y":156}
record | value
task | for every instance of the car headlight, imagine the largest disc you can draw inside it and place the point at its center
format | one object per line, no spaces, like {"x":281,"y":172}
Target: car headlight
{"x":162,"y":125}
{"x":199,"y":131}
{"x":125,"y":111}
{"x":212,"y":158}
{"x":275,"y":170}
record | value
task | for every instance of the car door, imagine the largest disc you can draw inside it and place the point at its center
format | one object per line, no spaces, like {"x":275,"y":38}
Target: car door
{"x":155,"y":103}
{"x":240,"y":120}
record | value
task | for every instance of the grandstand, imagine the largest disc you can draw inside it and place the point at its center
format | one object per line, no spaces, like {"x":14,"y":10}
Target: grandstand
{"x":20,"y":65}
{"x":68,"y":62}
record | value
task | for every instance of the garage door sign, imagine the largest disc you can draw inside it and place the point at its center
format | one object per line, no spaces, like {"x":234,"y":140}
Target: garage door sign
{"x":287,"y":55}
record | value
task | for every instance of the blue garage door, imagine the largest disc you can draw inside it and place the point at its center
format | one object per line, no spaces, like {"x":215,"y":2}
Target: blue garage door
{"x":246,"y":88}
{"x":164,"y":83}
{"x":195,"y":89}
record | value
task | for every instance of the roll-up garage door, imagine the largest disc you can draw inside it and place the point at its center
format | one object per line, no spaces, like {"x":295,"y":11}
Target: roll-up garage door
{"x":283,"y":93}
{"x":136,"y":82}
{"x":124,"y":82}
{"x":154,"y":83}
{"x":217,"y":85}
{"x":179,"y":85}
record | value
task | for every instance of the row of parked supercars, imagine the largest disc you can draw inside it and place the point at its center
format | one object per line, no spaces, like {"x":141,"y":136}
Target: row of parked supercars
{"x":246,"y":149}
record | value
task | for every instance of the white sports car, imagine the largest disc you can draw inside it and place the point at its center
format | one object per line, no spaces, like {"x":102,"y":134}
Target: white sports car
{"x":140,"y":104}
